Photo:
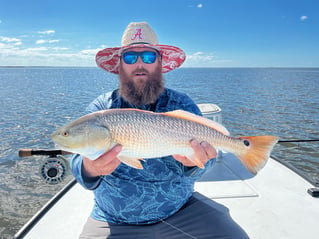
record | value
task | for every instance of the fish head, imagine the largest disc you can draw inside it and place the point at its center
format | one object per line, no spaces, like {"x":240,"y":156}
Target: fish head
{"x":85,"y":136}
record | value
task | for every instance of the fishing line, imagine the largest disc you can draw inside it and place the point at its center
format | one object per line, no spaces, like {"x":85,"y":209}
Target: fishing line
{"x":298,"y":140}
{"x":178,"y":229}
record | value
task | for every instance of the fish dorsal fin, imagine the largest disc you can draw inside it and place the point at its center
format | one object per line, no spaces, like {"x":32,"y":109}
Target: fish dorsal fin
{"x":198,"y":119}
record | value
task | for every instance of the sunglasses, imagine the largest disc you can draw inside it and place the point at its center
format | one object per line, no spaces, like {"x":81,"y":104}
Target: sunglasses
{"x":131,"y":57}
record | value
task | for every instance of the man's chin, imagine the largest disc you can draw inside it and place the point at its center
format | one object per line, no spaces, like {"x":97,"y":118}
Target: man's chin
{"x":141,"y":89}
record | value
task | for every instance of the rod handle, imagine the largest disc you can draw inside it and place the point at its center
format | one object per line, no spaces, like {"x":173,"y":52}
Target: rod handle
{"x":25,"y":153}
{"x":48,"y":152}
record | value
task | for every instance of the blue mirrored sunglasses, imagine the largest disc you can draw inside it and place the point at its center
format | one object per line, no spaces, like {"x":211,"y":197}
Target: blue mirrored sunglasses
{"x":148,"y":57}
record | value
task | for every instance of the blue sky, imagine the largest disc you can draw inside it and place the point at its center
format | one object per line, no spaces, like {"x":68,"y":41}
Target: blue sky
{"x":213,"y":33}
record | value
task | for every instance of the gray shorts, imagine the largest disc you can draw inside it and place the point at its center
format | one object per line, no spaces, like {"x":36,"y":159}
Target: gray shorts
{"x":199,"y":218}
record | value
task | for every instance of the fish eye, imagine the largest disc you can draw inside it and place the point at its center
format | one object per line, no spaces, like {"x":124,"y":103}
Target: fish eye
{"x":246,"y":142}
{"x":65,"y":133}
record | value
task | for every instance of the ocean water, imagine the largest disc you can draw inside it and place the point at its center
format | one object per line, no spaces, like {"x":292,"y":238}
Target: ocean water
{"x":254,"y":101}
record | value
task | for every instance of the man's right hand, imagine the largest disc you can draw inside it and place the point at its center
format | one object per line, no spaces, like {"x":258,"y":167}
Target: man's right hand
{"x":103,"y":165}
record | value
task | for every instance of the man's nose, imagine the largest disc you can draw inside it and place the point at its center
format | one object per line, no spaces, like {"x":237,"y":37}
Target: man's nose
{"x":139,"y":63}
{"x":139,"y":60}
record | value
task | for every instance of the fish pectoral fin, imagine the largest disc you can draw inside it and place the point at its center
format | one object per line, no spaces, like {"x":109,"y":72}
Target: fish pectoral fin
{"x":130,"y":161}
{"x":195,"y":160}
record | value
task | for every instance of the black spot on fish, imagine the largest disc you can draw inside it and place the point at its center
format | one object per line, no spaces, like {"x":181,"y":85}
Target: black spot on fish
{"x":246,"y":142}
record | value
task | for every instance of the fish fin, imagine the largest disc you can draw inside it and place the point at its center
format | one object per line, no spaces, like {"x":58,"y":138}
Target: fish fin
{"x":198,"y":119}
{"x":195,"y":160}
{"x":130,"y":161}
{"x":258,"y":151}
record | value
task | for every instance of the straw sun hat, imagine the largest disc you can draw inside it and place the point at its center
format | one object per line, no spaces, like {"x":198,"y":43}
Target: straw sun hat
{"x":140,"y":34}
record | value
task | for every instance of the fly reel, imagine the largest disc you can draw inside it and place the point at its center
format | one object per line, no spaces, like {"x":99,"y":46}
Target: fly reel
{"x":54,"y":169}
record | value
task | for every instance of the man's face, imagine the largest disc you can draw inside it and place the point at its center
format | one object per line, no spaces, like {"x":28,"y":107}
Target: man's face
{"x":141,"y":83}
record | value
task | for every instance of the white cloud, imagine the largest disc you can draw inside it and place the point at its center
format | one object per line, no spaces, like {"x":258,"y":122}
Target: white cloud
{"x":7,"y":47}
{"x":53,"y":41}
{"x":48,"y":32}
{"x":41,"y":41}
{"x":303,"y":18}
{"x":42,"y":52}
{"x":200,"y":56}
{"x":9,"y":39}
{"x":199,"y":5}
{"x":59,"y":48}
{"x":89,"y":51}
{"x":36,"y":49}
{"x":202,"y":59}
{"x":46,"y":56}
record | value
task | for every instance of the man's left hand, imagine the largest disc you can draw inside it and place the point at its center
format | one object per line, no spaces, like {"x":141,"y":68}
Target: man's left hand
{"x":203,"y":151}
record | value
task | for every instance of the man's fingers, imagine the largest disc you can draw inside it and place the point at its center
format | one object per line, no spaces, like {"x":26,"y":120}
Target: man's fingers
{"x":203,"y":151}
{"x":210,"y":150}
{"x":200,"y":152}
{"x":103,"y":165}
{"x":110,"y":155}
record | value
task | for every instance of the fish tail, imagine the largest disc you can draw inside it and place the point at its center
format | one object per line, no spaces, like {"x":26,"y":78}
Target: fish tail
{"x":258,"y":151}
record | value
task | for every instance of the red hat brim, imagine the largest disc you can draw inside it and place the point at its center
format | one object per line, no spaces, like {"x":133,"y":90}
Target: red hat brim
{"x":109,"y":58}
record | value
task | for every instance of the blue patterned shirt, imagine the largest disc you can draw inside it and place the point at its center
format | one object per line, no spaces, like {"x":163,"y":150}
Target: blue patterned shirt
{"x":134,"y":196}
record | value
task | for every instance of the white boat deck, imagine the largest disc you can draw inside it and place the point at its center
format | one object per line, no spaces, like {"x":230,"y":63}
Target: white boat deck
{"x":273,"y":204}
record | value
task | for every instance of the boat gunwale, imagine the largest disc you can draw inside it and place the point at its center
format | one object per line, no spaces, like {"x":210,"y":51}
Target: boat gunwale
{"x":296,"y":170}
{"x":27,"y":227}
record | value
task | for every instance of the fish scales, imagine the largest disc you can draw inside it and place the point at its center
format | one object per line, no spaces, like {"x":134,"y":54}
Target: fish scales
{"x":155,"y":133}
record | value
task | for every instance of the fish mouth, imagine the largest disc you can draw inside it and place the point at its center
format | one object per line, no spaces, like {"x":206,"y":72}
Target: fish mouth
{"x":61,"y":146}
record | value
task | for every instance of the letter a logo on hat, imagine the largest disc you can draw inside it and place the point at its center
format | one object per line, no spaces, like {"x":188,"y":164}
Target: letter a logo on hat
{"x":138,"y":34}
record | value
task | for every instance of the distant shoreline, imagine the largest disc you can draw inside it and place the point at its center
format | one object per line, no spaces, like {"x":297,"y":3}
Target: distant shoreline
{"x":189,"y":67}
{"x":48,"y":66}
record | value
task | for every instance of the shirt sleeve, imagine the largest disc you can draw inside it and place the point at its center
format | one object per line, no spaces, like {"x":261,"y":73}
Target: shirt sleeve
{"x":76,"y":164}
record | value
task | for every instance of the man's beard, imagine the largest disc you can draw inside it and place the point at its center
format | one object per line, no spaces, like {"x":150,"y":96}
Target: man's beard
{"x":143,"y":92}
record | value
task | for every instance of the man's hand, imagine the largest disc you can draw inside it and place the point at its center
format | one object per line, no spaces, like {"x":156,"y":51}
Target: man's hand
{"x":103,"y":165}
{"x":203,"y":151}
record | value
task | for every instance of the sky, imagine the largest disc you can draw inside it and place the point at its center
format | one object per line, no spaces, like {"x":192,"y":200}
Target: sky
{"x":213,"y":33}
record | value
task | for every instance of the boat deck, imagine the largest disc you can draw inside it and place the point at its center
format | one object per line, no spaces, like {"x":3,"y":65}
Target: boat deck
{"x":273,"y":204}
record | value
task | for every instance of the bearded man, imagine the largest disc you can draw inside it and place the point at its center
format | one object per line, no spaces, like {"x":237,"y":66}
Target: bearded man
{"x":158,"y":201}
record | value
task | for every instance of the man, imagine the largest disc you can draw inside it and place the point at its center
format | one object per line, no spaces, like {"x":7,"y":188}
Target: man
{"x":158,"y":201}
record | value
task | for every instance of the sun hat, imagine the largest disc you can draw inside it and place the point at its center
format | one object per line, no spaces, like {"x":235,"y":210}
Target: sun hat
{"x":140,"y":34}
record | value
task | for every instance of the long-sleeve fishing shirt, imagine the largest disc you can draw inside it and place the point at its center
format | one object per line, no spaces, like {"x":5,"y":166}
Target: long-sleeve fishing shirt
{"x":134,"y":196}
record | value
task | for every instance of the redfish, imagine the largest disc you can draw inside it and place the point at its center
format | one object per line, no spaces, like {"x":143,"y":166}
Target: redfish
{"x":145,"y":134}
